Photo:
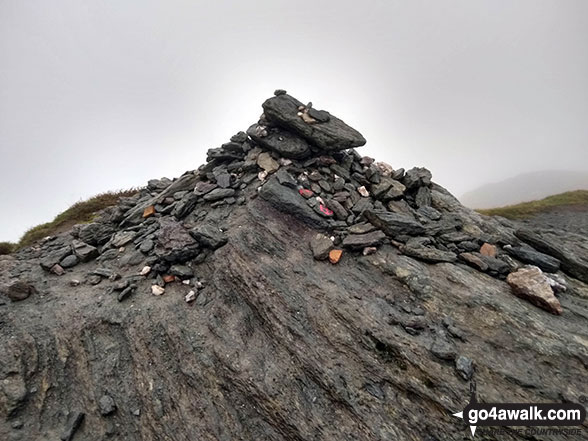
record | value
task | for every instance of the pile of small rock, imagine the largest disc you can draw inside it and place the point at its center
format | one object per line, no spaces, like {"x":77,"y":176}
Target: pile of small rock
{"x":303,"y":162}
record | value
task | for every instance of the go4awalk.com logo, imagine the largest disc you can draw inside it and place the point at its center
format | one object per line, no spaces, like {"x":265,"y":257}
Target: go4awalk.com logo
{"x":531,"y":415}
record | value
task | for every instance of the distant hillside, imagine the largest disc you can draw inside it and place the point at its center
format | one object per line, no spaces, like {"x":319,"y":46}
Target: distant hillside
{"x":525,"y":187}
{"x":526,"y":209}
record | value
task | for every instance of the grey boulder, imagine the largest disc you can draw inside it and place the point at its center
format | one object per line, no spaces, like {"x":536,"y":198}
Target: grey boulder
{"x":331,"y":135}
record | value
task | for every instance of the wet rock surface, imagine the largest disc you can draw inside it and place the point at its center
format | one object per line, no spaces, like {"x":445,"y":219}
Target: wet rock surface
{"x":287,"y":293}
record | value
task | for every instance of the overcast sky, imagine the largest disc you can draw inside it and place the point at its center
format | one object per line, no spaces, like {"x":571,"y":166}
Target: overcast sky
{"x":98,"y":95}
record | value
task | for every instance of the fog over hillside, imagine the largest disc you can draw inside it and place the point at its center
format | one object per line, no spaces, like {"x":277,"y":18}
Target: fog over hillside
{"x":98,"y":96}
{"x":525,"y":187}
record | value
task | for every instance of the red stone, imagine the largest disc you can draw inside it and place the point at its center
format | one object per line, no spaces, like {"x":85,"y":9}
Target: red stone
{"x":307,"y":194}
{"x":326,"y":211}
{"x":335,"y":256}
{"x":168,"y":278}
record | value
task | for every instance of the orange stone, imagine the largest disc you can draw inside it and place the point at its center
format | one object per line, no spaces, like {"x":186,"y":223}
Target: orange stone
{"x":168,"y":278}
{"x":488,"y":250}
{"x":335,"y":256}
{"x":149,"y":211}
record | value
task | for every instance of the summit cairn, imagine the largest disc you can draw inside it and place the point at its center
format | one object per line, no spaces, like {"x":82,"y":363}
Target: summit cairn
{"x":302,"y":161}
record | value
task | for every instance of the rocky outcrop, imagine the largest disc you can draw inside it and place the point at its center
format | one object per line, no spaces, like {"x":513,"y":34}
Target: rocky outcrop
{"x":571,"y":253}
{"x":288,"y":289}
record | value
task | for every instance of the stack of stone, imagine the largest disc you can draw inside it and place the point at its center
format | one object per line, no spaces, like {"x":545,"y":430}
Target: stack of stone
{"x":303,"y":162}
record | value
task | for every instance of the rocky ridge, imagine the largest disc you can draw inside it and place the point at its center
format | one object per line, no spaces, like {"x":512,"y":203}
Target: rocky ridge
{"x":223,"y":266}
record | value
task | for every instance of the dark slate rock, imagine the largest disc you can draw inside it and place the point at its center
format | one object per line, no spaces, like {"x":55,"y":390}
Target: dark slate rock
{"x":289,"y":201}
{"x":233,"y":147}
{"x":286,"y":178}
{"x":132,"y":258}
{"x":84,"y":251}
{"x":73,"y":423}
{"x":96,"y":233}
{"x":319,"y":115}
{"x":325,"y":186}
{"x":105,"y":272}
{"x":417,"y":177}
{"x":280,"y":141}
{"x":218,"y":194}
{"x":394,"y":224}
{"x":125,"y":293}
{"x":122,"y":238}
{"x":178,"y":195}
{"x":174,"y":243}
{"x":55,"y":257}
{"x":429,"y":212}
{"x":340,"y":171}
{"x":181,"y":271}
{"x":468,"y":245}
{"x":361,"y":228}
{"x":108,"y":255}
{"x":240,"y":137}
{"x":395,"y":191}
{"x":146,"y":246}
{"x":204,"y":187}
{"x":362,"y":205}
{"x":315,"y":176}
{"x":222,"y":155}
{"x":401,"y":207}
{"x":398,"y":174}
{"x":331,"y":135}
{"x":429,"y":254}
{"x":209,"y":236}
{"x":338,"y":209}
{"x":19,"y":290}
{"x":378,"y":190}
{"x":320,"y":246}
{"x":185,"y":206}
{"x":135,"y":215}
{"x":106,"y":405}
{"x":423,"y":197}
{"x":70,"y":261}
{"x":224,"y":179}
{"x":359,"y":241}
{"x":158,"y":184}
{"x":443,"y":349}
{"x":455,"y":236}
{"x":360,"y":178}
{"x":573,"y":260}
{"x":491,"y":265}
{"x":474,"y":260}
{"x":121,"y":285}
{"x":373,"y":174}
{"x":341,"y":196}
{"x":448,"y":223}
{"x":338,"y":184}
{"x":465,"y":367}
{"x":527,"y":254}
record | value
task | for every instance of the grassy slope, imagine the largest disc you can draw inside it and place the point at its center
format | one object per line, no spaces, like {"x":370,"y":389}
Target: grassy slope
{"x":80,"y":212}
{"x":526,"y":209}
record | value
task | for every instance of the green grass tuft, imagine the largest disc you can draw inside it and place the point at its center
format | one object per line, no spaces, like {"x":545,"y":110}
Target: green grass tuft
{"x":527,"y":209}
{"x":6,"y":248}
{"x":78,"y":213}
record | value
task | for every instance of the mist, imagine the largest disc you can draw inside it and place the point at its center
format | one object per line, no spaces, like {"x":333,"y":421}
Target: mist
{"x":98,"y":96}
